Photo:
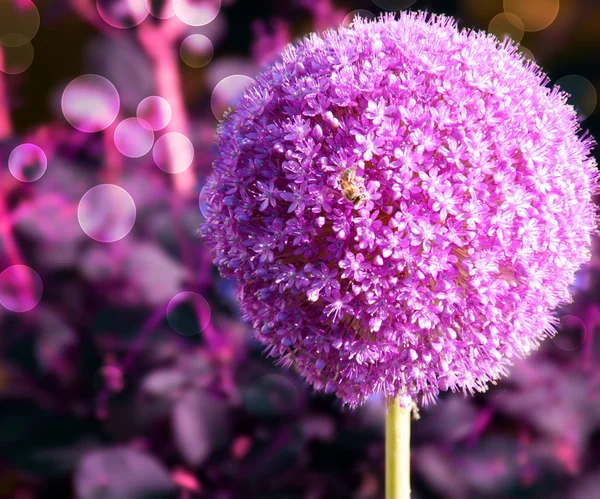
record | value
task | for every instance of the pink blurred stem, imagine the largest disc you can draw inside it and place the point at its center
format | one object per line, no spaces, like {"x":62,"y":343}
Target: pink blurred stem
{"x":10,"y":246}
{"x":13,"y":253}
{"x":159,"y":44}
{"x":5,"y":123}
{"x":113,"y":159}
{"x":481,"y":423}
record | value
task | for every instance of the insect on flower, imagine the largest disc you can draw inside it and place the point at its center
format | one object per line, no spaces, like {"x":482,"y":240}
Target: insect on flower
{"x":353,"y":187}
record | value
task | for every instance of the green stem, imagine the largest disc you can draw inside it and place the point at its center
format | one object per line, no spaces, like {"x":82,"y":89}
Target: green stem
{"x":397,"y":451}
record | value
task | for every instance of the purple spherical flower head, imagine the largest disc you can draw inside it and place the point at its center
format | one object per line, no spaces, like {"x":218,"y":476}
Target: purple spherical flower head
{"x":403,"y":205}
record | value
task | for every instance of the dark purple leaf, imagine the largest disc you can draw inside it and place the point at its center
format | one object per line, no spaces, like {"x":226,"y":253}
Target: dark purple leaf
{"x":152,"y":277}
{"x":122,"y":473}
{"x":164,"y":382}
{"x":50,"y":218}
{"x":200,"y":425}
{"x":54,"y":337}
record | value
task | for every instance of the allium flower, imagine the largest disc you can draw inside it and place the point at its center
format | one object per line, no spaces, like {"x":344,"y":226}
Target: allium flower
{"x":476,"y":207}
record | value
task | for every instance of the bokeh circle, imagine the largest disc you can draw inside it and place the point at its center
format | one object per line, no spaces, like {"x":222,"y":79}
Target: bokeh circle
{"x":155,"y":112}
{"x":196,"y":12}
{"x":160,"y":10}
{"x":196,"y":51}
{"x":21,"y":288}
{"x":528,"y":54}
{"x":535,"y":15}
{"x":508,"y":25}
{"x":173,"y":152}
{"x":106,"y":213}
{"x":133,"y":138}
{"x":583,"y":95}
{"x":227,"y":92}
{"x":392,"y":5}
{"x":90,"y":103}
{"x":122,"y":14}
{"x":27,"y":162}
{"x":571,"y":334}
{"x":362,"y":13}
{"x":19,"y":22}
{"x":188,"y":313}
{"x":272,"y":395}
{"x":17,"y":60}
{"x":203,"y":201}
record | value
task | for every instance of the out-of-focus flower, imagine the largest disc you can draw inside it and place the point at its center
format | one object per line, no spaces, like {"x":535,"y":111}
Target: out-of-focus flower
{"x":456,"y":234}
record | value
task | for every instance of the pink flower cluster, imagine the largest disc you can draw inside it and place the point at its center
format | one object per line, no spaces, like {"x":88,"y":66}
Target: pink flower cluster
{"x":477,"y":214}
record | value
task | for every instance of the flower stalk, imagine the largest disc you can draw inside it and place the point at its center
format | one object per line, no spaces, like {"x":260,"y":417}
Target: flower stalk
{"x":397,"y":450}
{"x":159,"y":44}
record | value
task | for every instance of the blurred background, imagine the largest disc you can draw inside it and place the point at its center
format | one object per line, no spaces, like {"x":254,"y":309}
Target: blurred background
{"x":125,"y":372}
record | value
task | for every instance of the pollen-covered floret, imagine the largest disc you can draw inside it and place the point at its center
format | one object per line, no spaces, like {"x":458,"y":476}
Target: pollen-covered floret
{"x":477,"y":210}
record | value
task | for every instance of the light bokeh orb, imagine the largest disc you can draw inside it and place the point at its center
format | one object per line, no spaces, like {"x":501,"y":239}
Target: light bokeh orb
{"x":362,"y":13}
{"x":17,"y":60}
{"x":572,"y":333}
{"x":106,"y":213}
{"x":227,"y":92}
{"x":196,"y":12}
{"x":583,"y":94}
{"x":161,"y":10}
{"x":535,"y":15}
{"x":188,"y":313}
{"x":196,"y":51}
{"x":133,"y":138}
{"x":154,"y":112}
{"x":203,"y":201}
{"x":507,"y":25}
{"x":122,"y":14}
{"x":528,"y":54}
{"x":19,"y":22}
{"x":392,"y":5}
{"x":21,"y":288}
{"x":90,"y":103}
{"x":272,"y":395}
{"x":173,"y":152}
{"x":27,"y":162}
